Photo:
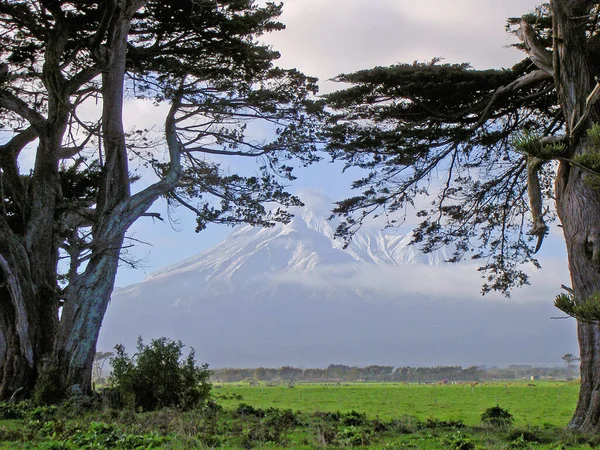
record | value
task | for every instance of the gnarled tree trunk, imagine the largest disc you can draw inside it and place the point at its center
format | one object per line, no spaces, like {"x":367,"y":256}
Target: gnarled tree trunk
{"x":579,"y":210}
{"x":578,"y":204}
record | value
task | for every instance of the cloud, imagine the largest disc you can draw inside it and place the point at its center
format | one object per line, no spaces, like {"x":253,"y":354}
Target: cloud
{"x":435,"y":283}
{"x":328,"y":38}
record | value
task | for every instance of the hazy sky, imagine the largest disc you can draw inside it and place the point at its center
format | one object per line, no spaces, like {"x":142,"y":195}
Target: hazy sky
{"x":327,"y":37}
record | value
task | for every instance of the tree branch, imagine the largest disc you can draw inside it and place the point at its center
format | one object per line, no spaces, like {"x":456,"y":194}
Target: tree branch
{"x":10,"y":102}
{"x":536,"y":50}
{"x":519,"y":83}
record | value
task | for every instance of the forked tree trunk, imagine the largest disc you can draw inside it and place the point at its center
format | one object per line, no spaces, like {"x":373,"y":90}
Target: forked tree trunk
{"x":80,"y":323}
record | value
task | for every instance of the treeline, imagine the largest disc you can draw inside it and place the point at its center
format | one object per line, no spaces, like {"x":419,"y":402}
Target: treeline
{"x":374,"y":373}
{"x":343,"y":373}
{"x":520,"y":371}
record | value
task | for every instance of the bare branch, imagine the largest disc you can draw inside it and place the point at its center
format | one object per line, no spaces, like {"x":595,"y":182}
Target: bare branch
{"x":536,"y":50}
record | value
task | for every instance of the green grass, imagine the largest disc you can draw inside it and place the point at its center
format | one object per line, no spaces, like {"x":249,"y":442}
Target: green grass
{"x":540,"y":402}
{"x":374,"y":416}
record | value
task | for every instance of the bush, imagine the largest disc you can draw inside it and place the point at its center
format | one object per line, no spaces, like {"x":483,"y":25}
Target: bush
{"x":158,"y":376}
{"x":497,"y":417}
{"x":354,"y":418}
{"x":460,"y":441}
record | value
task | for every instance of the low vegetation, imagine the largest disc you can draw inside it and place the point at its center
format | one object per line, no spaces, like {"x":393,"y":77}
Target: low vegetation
{"x":159,"y":398}
{"x":158,"y":376}
{"x":339,"y":416}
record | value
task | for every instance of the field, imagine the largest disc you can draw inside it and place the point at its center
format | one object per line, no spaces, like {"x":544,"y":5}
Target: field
{"x":306,"y":416}
{"x":533,"y":403}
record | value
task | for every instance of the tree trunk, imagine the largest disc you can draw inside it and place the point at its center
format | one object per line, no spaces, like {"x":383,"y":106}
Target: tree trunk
{"x":16,"y":373}
{"x":27,"y":322}
{"x":578,"y":204}
{"x":75,"y":344}
{"x":88,"y":293}
{"x":579,"y":211}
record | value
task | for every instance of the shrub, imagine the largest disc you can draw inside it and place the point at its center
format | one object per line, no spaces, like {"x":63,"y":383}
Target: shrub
{"x":497,"y":417}
{"x":460,"y":441}
{"x":244,"y":410}
{"x":354,"y":418}
{"x":158,"y":376}
{"x":19,"y":410}
{"x":354,"y":436}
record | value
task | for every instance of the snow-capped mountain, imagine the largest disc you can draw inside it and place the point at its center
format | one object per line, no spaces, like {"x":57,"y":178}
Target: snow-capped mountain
{"x":291,"y":294}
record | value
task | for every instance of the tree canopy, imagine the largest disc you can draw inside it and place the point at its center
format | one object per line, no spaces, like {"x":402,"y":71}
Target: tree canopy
{"x":69,"y":68}
{"x":501,"y":152}
{"x":453,"y":133}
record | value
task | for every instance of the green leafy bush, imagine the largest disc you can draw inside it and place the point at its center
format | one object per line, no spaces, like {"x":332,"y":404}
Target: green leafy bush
{"x":354,"y":418}
{"x":460,"y":441}
{"x":354,"y":436}
{"x":497,"y":417}
{"x":159,"y":376}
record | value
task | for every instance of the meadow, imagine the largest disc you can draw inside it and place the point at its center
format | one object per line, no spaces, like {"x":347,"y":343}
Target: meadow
{"x":323,"y":416}
{"x":534,"y":403}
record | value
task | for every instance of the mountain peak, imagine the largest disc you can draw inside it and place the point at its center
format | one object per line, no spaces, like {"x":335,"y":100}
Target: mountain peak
{"x":290,"y":295}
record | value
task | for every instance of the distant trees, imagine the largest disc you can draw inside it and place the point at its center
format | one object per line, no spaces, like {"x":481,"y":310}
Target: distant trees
{"x":570,"y":361}
{"x":344,"y":373}
{"x":100,"y":359}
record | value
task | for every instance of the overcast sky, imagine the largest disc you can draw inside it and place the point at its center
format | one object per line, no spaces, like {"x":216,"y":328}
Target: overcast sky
{"x":327,"y":37}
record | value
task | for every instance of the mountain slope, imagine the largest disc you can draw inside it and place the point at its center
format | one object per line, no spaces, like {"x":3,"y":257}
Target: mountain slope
{"x":291,"y":294}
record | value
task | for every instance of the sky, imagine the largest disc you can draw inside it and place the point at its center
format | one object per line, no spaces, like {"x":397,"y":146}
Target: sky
{"x":324,"y":38}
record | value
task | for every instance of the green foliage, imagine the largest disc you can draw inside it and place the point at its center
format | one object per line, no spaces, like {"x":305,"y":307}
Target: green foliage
{"x":102,"y":435}
{"x":590,"y":160}
{"x":529,"y":143}
{"x":10,"y":411}
{"x":354,"y":418}
{"x":158,"y":376}
{"x":523,"y":436}
{"x":354,"y":436}
{"x":593,"y":134}
{"x":460,"y":441}
{"x":409,"y":124}
{"x":433,"y":423}
{"x":268,"y":427}
{"x":586,"y":310}
{"x":497,"y":417}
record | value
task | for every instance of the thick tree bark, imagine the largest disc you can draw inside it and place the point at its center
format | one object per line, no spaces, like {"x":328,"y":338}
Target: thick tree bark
{"x":579,"y":210}
{"x":89,"y":293}
{"x":80,"y":324}
{"x":578,"y":205}
{"x":26,"y":319}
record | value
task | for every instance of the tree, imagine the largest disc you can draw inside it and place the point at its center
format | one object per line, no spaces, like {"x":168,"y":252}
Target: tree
{"x":570,"y":361}
{"x":100,"y":359}
{"x":158,"y":376}
{"x":68,"y":69}
{"x":501,"y":152}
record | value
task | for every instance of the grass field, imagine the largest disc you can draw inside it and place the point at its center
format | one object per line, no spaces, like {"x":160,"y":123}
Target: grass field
{"x":535,"y":403}
{"x":371,"y":416}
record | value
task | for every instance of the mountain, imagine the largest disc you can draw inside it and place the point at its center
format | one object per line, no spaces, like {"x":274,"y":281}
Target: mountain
{"x":292,"y":295}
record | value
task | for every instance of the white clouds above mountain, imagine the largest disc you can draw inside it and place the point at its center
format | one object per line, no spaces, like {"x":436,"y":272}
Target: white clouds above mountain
{"x":289,"y":295}
{"x":440,"y":283}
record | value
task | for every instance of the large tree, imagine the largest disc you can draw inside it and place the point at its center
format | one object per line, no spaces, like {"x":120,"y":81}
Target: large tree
{"x":68,"y":68}
{"x":500,"y":152}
